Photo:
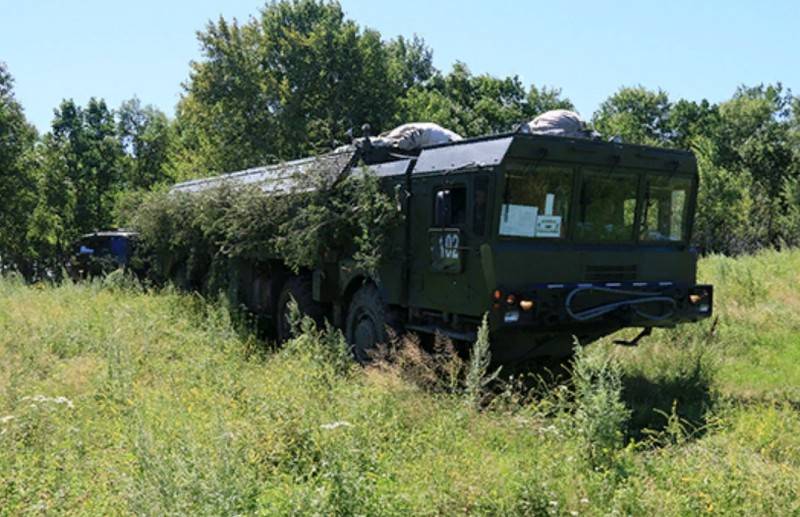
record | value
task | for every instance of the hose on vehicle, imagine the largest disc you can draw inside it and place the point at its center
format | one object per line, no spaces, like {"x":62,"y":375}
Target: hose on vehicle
{"x":641,"y":298}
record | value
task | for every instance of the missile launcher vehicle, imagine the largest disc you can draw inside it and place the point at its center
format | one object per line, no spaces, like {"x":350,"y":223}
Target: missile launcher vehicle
{"x":554,"y":237}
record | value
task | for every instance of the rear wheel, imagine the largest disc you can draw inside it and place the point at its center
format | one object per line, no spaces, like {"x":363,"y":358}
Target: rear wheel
{"x":299,"y":288}
{"x":367,"y":320}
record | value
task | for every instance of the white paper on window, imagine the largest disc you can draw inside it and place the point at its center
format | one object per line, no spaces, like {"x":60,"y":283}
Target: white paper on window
{"x":548,"y":226}
{"x":518,"y":220}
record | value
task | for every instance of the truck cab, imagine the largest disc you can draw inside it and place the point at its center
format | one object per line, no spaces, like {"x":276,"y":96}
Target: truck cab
{"x":101,"y":252}
{"x":551,"y":237}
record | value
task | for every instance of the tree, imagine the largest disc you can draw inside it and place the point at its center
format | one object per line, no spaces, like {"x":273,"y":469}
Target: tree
{"x":17,"y":179}
{"x":81,"y":170}
{"x":87,"y":140}
{"x":411,"y":62}
{"x":726,"y":206}
{"x":689,"y":120}
{"x":477,"y":105}
{"x":636,"y":114}
{"x":289,"y":83}
{"x":52,"y":225}
{"x":756,"y":135}
{"x":144,"y":133}
{"x":545,"y":99}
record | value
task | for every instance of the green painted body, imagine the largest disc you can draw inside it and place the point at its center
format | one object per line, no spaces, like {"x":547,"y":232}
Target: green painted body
{"x":488,"y":223}
{"x":452,"y":297}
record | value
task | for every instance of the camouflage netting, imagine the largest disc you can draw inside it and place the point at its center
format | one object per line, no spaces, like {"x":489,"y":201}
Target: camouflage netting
{"x":193,"y":236}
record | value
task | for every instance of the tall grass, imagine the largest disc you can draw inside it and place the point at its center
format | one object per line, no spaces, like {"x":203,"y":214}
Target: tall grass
{"x":118,"y":400}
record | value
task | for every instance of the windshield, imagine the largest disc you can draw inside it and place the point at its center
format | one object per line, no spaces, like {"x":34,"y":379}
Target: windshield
{"x":607,"y":207}
{"x":536,"y":201}
{"x":666,"y":209}
{"x":117,"y":247}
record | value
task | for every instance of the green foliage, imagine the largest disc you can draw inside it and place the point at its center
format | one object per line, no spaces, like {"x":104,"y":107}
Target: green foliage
{"x":292,"y":82}
{"x":478,"y":378}
{"x":725,"y":218}
{"x":17,"y":181}
{"x":600,"y":414}
{"x":477,"y":105}
{"x":192,"y":237}
{"x":163,"y":395}
{"x":145,"y":134}
{"x":85,"y":139}
{"x":638,"y":115}
{"x":93,"y":160}
{"x":690,"y":121}
{"x":289,"y":83}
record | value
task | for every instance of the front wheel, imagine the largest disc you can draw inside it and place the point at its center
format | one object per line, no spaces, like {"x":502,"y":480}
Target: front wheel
{"x":367,"y":321}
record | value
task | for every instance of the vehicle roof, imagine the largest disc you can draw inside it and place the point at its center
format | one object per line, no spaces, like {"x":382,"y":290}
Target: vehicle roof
{"x":110,"y":233}
{"x":278,"y":177}
{"x":481,"y":152}
{"x":491,"y":151}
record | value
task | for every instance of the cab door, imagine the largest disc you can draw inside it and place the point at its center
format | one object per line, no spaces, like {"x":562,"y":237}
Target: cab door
{"x":445,"y":244}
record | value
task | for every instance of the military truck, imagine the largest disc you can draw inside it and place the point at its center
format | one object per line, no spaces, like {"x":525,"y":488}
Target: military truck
{"x":552,"y":237}
{"x":101,"y":252}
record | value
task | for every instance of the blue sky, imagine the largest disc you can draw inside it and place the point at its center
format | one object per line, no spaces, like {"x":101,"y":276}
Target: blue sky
{"x":692,"y":49}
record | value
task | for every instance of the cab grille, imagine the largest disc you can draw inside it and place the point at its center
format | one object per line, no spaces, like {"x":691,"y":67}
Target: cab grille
{"x":611,"y":273}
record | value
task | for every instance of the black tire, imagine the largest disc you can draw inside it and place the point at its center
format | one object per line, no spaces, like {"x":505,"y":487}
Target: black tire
{"x":367,"y":320}
{"x":299,"y":288}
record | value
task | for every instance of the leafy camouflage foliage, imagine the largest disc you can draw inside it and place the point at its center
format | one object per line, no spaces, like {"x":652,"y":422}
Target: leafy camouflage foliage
{"x":194,"y":237}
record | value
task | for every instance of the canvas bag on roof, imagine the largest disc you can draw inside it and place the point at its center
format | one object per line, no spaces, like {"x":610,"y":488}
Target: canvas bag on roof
{"x":559,"y":123}
{"x":415,"y":135}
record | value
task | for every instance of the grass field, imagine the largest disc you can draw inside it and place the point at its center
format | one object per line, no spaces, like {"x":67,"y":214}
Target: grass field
{"x":115,"y":401}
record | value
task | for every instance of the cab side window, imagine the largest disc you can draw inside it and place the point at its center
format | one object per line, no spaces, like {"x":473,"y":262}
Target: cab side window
{"x":450,"y":207}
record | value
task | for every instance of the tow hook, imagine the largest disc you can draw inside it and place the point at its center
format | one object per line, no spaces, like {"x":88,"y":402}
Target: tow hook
{"x":635,"y":341}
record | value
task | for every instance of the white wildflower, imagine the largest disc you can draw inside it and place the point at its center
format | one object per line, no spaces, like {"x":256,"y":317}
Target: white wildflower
{"x":54,"y":400}
{"x":335,"y":425}
{"x":549,"y":429}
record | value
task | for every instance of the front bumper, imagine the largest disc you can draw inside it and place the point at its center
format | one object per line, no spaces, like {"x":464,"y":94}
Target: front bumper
{"x":569,"y":307}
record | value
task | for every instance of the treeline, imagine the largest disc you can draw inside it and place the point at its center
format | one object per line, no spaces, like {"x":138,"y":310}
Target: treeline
{"x":295,"y":79}
{"x":67,"y":182}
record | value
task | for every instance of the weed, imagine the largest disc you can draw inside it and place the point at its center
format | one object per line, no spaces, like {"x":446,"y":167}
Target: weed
{"x":600,"y":415}
{"x":478,"y":376}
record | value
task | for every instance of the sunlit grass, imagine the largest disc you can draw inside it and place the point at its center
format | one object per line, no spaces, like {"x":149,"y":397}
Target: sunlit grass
{"x":118,"y":401}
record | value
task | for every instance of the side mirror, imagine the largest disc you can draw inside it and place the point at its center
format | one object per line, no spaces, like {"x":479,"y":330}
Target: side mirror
{"x":442,"y":208}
